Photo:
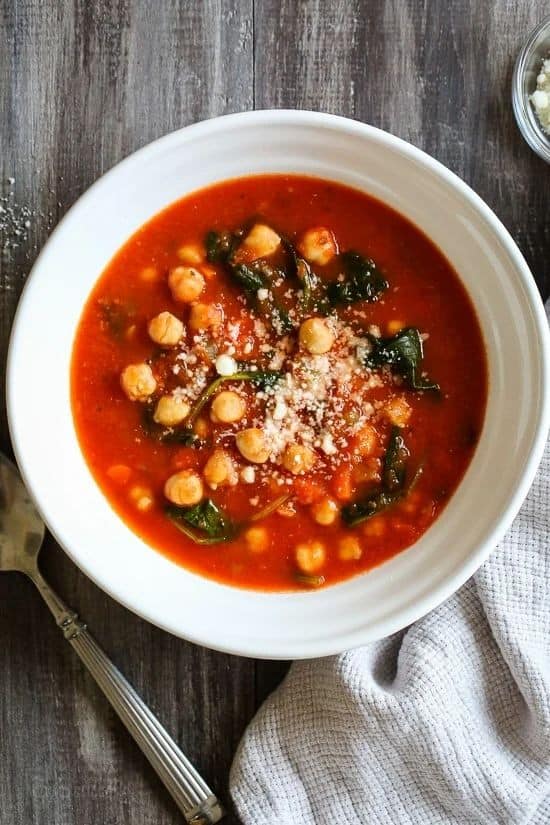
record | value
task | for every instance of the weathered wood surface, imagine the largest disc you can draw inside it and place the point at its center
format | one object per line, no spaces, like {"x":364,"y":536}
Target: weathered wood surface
{"x":82,"y":84}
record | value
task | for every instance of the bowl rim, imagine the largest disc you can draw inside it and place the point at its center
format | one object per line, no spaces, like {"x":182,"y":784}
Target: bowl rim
{"x":426,"y":602}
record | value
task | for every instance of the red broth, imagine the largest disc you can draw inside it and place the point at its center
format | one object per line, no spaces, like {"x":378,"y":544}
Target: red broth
{"x":439,"y":429}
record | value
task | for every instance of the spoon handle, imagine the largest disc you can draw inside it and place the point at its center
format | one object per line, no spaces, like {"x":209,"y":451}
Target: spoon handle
{"x":189,"y":791}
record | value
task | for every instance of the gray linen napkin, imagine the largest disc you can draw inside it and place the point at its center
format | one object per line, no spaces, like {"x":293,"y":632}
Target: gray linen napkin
{"x":445,"y":722}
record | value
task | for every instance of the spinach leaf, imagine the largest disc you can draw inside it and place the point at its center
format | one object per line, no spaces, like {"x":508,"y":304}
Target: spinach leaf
{"x":393,"y":487}
{"x":363,"y":281}
{"x":205,"y":523}
{"x":359,"y":511}
{"x":403,"y":353}
{"x":395,"y":461}
{"x":260,"y":275}
{"x":263,"y":378}
{"x":184,"y":436}
{"x":309,"y":282}
{"x":116,"y":316}
{"x":221,"y":248}
{"x":220,"y":245}
{"x":249,"y":278}
{"x":280,"y":319}
{"x":313,"y":289}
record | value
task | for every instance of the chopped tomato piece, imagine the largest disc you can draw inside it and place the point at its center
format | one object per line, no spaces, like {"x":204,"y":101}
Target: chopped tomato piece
{"x":308,"y":491}
{"x":342,"y":483}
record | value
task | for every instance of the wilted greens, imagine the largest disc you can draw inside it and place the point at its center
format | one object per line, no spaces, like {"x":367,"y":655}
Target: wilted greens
{"x":207,"y":523}
{"x":403,"y":353}
{"x":393,"y":488}
{"x":362,"y":281}
{"x":359,"y":280}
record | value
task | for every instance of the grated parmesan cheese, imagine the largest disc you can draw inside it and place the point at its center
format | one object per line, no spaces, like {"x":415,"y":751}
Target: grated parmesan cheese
{"x":248,"y":475}
{"x":318,"y":402}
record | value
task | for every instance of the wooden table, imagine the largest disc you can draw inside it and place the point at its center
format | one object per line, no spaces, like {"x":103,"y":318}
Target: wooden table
{"x":82,"y":84}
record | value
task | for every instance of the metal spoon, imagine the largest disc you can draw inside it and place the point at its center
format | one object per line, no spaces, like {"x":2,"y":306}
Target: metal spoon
{"x":21,"y":536}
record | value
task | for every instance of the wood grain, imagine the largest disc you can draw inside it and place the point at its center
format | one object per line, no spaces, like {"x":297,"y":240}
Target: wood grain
{"x":85,"y":82}
{"x":436,"y":74}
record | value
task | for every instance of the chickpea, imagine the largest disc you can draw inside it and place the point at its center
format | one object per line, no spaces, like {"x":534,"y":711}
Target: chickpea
{"x":315,"y":336}
{"x":393,"y":327}
{"x":260,"y":242}
{"x":325,"y":511}
{"x":318,"y":245}
{"x":349,"y":548}
{"x":142,"y":498}
{"x":219,"y":469}
{"x":144,"y":504}
{"x":165,"y":329}
{"x":251,"y":445}
{"x":298,"y":459}
{"x":398,"y":411}
{"x":186,"y":283}
{"x":203,"y":316}
{"x":184,"y":488}
{"x":365,"y":442}
{"x":227,"y":407}
{"x":310,"y":556}
{"x":257,"y":539}
{"x":138,"y":382}
{"x":191,"y":253}
{"x":171,"y":410}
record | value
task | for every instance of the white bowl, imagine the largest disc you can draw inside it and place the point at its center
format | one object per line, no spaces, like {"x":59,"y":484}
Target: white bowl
{"x":372,"y":605}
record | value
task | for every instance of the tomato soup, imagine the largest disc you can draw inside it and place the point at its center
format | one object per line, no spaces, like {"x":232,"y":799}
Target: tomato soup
{"x":278,"y":382}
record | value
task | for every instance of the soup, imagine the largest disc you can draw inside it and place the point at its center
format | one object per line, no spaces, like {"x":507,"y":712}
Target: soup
{"x":278,"y":382}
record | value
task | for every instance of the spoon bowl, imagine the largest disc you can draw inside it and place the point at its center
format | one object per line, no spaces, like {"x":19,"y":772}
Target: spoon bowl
{"x":21,"y":528}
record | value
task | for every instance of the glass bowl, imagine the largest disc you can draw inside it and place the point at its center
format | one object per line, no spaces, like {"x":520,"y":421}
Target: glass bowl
{"x":524,"y":83}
